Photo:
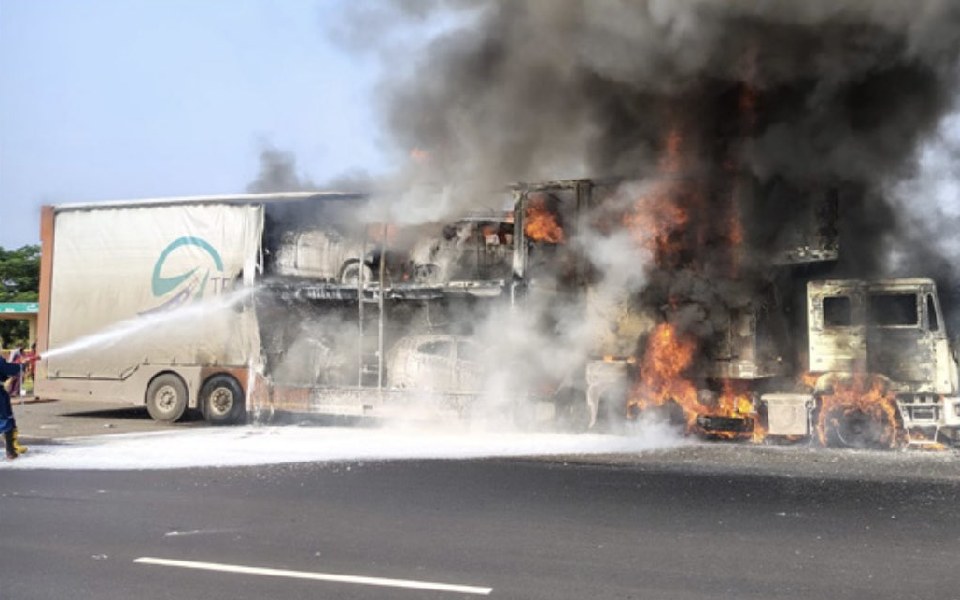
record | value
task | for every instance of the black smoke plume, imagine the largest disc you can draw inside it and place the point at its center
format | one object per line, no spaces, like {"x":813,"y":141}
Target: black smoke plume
{"x":801,"y":99}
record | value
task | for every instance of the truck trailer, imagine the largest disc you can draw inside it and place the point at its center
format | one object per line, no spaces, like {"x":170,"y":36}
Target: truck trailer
{"x":232,"y":304}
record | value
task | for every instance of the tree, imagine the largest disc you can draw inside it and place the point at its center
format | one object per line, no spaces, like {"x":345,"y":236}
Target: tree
{"x":19,"y":282}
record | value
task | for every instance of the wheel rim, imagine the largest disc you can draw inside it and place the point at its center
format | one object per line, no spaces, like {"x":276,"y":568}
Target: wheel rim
{"x":857,"y":429}
{"x":166,"y":399}
{"x":351,"y":274}
{"x":221,"y":401}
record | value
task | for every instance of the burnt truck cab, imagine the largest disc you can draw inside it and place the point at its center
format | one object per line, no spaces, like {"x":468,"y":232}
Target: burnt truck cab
{"x":890,"y":330}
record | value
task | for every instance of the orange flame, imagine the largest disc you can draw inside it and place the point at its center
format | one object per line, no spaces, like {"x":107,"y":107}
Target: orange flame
{"x":925,"y":442}
{"x":540,"y":224}
{"x":808,"y":380}
{"x":662,"y":381}
{"x":657,"y":221}
{"x":666,"y":358}
{"x":735,"y":401}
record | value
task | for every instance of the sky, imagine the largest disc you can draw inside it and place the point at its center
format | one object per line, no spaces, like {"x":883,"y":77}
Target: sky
{"x":122,"y":99}
{"x":111,"y":99}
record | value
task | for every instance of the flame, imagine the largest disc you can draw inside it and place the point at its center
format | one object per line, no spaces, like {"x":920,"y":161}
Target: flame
{"x":657,"y":221}
{"x":666,"y":358}
{"x":659,"y":218}
{"x":865,"y":394}
{"x":540,"y":224}
{"x":747,"y":108}
{"x":919,"y":437}
{"x":736,"y":402}
{"x":809,"y":380}
{"x":662,"y":381}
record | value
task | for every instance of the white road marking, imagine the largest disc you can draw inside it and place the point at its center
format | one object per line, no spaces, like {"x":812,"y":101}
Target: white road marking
{"x":196,"y":532}
{"x":357,"y":579}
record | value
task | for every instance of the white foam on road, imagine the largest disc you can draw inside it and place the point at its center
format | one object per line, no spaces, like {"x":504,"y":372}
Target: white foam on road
{"x":259,"y":445}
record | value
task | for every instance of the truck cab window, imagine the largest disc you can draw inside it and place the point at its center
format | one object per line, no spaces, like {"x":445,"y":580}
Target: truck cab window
{"x":837,"y":311}
{"x":890,"y":310}
{"x":933,"y":321}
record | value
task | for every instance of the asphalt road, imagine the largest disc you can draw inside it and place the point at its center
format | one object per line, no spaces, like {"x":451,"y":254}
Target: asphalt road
{"x":520,"y":529}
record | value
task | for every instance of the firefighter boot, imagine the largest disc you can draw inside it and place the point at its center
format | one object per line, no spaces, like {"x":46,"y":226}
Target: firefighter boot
{"x":17,"y":446}
{"x":8,"y":444}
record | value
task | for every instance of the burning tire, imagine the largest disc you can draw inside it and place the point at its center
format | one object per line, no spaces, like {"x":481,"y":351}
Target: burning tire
{"x":166,"y":398}
{"x":724,"y":428}
{"x":222,"y":400}
{"x":847,"y":427}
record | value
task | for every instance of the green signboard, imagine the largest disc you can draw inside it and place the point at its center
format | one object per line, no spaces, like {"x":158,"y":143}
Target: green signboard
{"x":19,"y":308}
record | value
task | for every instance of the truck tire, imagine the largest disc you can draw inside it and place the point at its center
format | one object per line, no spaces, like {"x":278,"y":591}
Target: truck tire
{"x":166,"y":398}
{"x":350,"y":273}
{"x":846,"y":428}
{"x":222,"y":400}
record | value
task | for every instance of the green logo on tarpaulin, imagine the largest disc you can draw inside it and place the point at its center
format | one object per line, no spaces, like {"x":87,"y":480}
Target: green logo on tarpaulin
{"x":189,"y":284}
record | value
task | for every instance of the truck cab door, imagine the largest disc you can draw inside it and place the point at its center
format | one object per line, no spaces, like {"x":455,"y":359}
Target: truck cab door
{"x":899,"y":343}
{"x":946,"y":358}
{"x":836,"y":324}
{"x":945,"y":364}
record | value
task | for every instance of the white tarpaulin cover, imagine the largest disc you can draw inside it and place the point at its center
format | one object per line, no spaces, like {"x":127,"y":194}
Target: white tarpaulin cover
{"x":153,"y":285}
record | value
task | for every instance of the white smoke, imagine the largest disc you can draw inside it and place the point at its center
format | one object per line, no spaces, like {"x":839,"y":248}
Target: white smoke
{"x":931,"y":198}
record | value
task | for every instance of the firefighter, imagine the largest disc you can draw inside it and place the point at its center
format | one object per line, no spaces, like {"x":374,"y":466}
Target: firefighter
{"x":8,"y":425}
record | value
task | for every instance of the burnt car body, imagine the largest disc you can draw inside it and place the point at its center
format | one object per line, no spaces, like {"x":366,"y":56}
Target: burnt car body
{"x":436,"y":362}
{"x":477,"y":248}
{"x":323,"y":254}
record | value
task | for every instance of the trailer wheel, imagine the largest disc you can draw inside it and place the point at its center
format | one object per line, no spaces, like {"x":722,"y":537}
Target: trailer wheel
{"x":222,"y":400}
{"x":166,"y":398}
{"x":350,"y":273}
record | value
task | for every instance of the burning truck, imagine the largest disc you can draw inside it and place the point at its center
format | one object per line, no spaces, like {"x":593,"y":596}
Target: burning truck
{"x":746,"y":162}
{"x":760,"y":351}
{"x":350,"y":317}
